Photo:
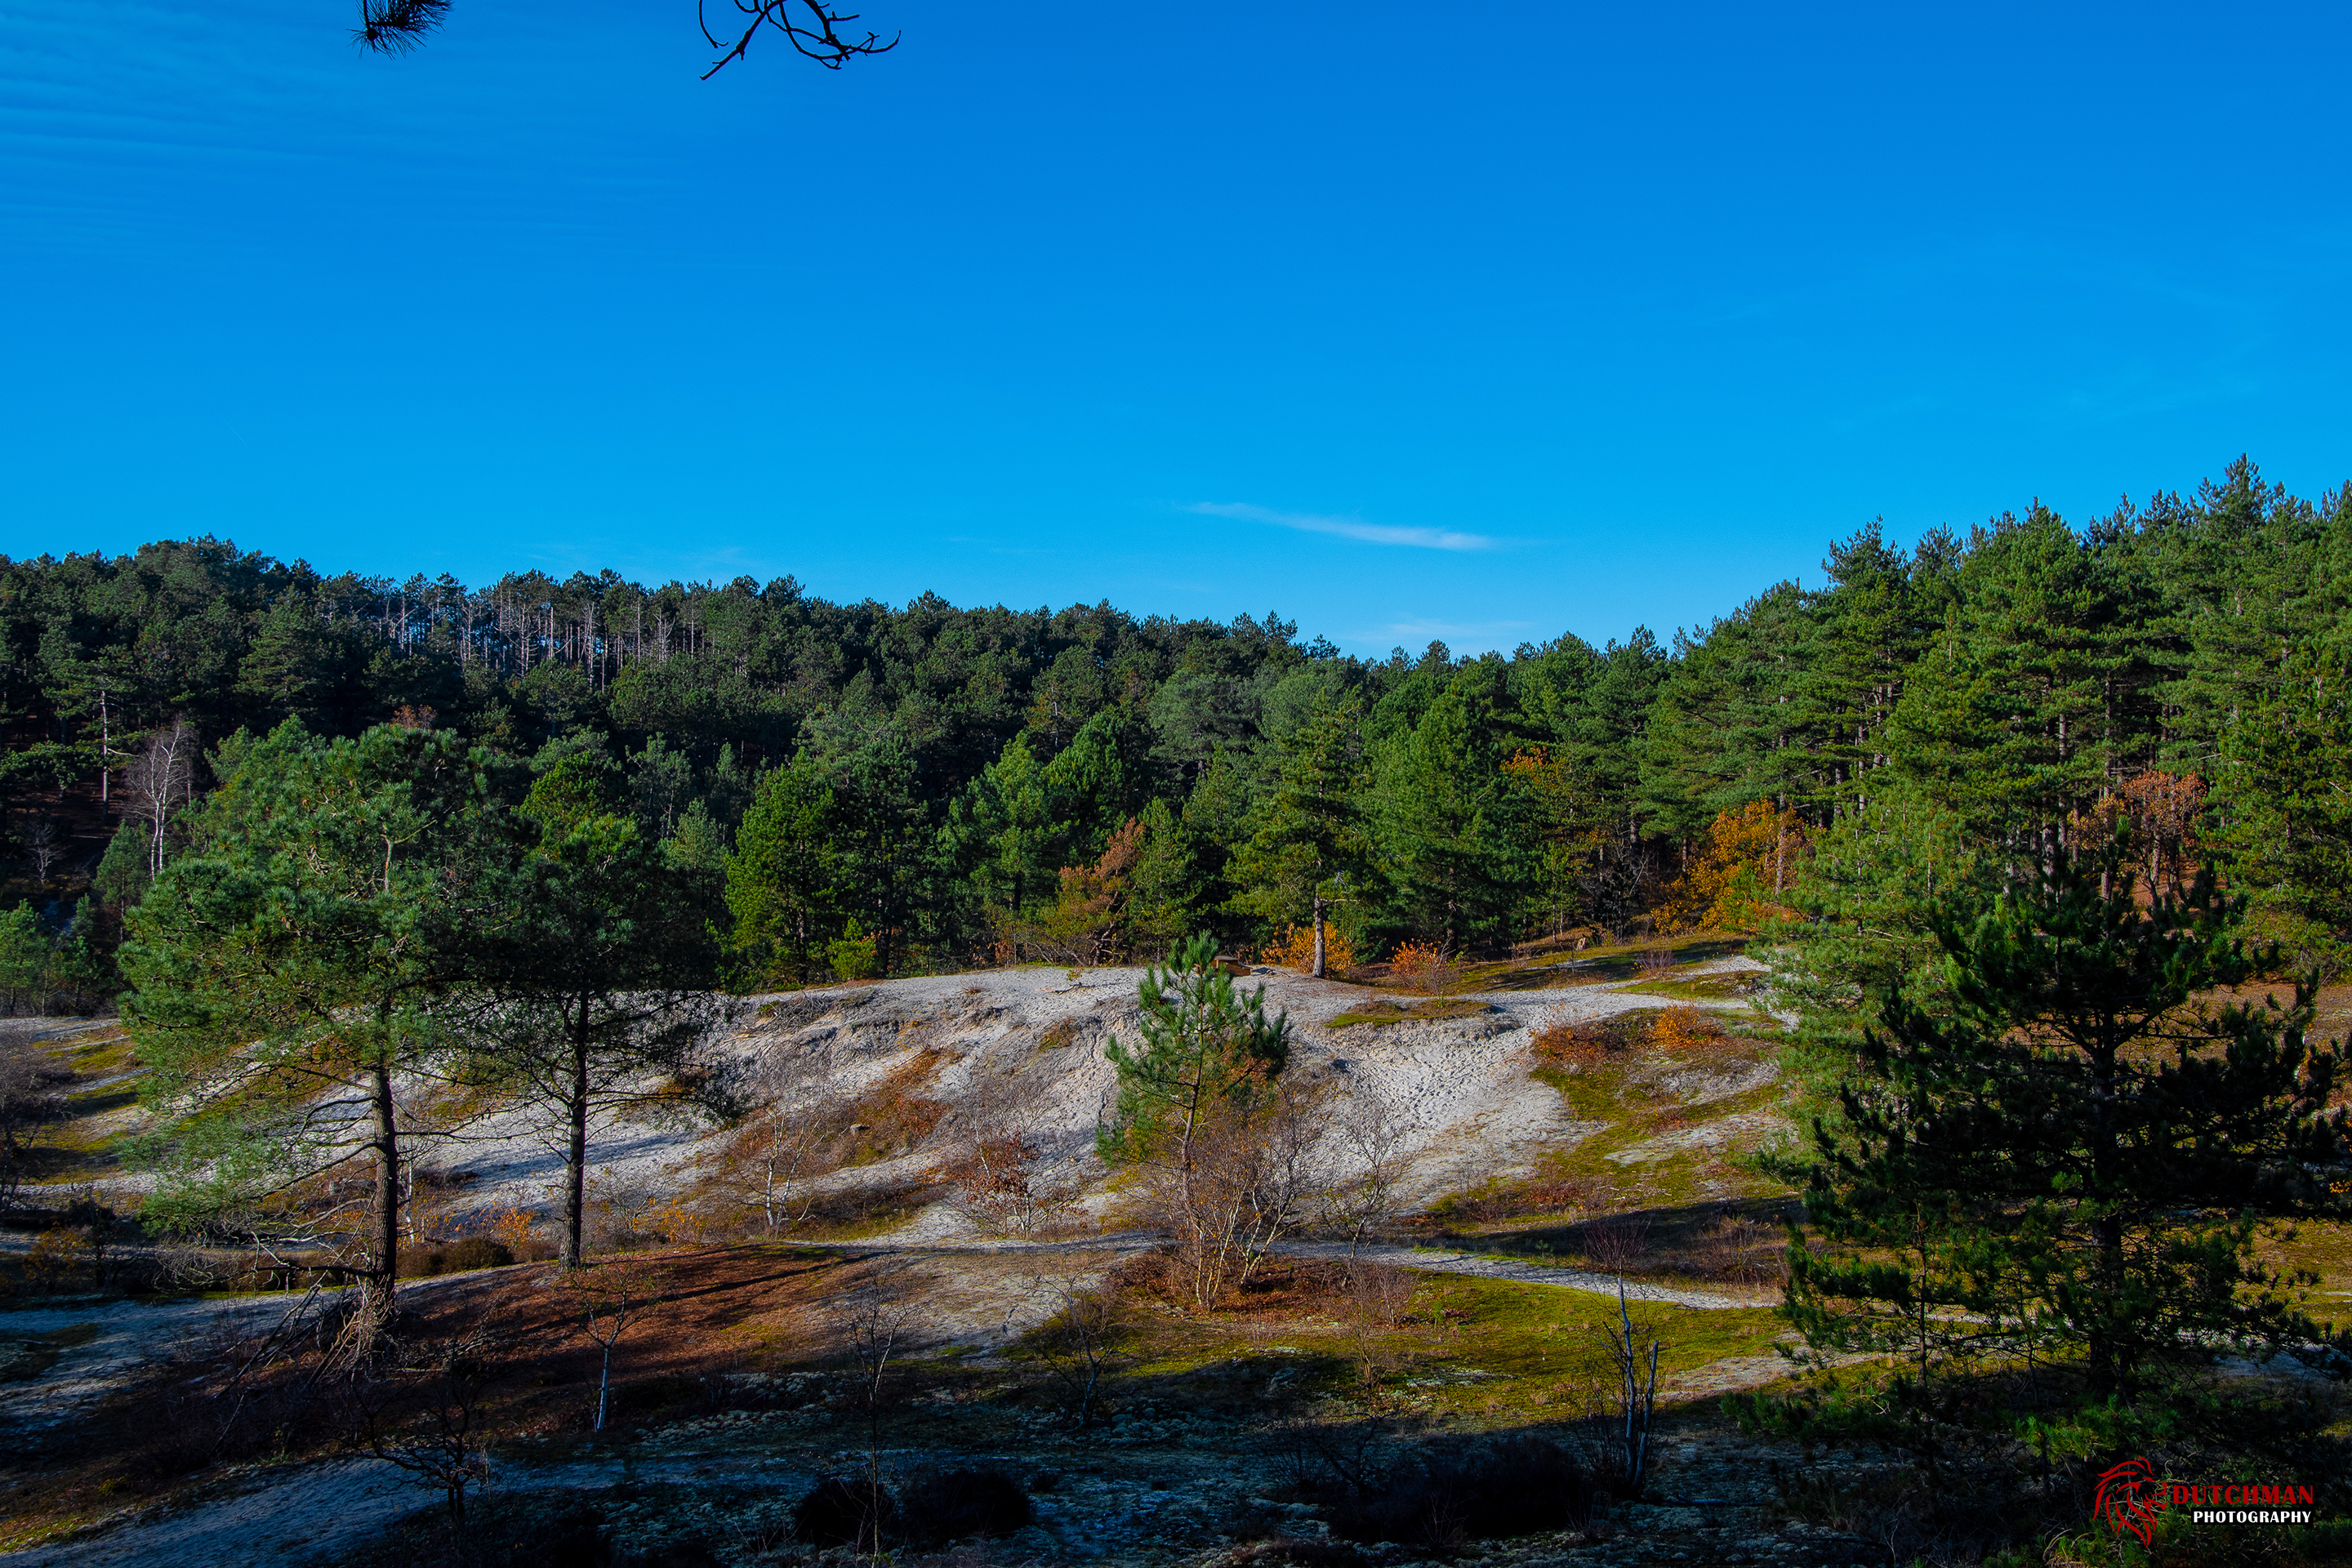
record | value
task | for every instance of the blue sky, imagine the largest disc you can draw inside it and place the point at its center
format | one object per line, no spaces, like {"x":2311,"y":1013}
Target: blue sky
{"x":1480,"y":323}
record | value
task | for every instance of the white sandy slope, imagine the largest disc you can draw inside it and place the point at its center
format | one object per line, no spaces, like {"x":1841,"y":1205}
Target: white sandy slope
{"x":1462,"y":1087}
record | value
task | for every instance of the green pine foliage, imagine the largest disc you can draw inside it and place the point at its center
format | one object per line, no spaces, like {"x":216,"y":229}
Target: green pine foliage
{"x":1203,"y":1045}
{"x":284,"y":964}
{"x":2073,"y":1155}
{"x":931,"y":771}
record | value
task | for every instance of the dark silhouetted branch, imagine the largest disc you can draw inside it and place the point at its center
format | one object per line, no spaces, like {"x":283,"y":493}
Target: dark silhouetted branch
{"x":397,"y":27}
{"x":811,"y":26}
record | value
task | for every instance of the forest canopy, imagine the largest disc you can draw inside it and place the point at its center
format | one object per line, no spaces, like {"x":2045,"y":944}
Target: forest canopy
{"x":868,"y":789}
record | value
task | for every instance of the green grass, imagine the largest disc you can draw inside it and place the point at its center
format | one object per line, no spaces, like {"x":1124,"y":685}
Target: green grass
{"x":1616,"y":1094}
{"x":1378,"y":1013}
{"x":1700,"y":988}
{"x":1539,"y":1343}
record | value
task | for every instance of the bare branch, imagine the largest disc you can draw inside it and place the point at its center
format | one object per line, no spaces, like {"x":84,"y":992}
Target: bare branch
{"x":811,"y":25}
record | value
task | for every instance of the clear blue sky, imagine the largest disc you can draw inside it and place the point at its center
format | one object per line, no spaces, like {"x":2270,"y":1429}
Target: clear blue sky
{"x":1482,"y":322}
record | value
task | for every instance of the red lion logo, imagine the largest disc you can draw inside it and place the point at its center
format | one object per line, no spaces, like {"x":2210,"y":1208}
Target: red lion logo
{"x":2129,"y":1498}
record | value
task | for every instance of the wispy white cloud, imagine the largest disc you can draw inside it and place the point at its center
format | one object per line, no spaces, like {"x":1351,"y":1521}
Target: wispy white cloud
{"x":1409,"y":633}
{"x":1345,"y":527}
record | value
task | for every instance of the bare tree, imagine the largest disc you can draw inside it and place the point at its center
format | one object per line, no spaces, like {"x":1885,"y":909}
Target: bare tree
{"x":1079,"y":1339}
{"x":421,"y":1408}
{"x":812,"y":26}
{"x":1242,"y":1181}
{"x":997,"y":1172}
{"x":44,"y":846}
{"x":874,"y":1320}
{"x":1364,"y":1194}
{"x":1372,"y":1304}
{"x":160,"y":776}
{"x":1637,"y":1391}
{"x":777,"y":1150}
{"x":612,"y":1297}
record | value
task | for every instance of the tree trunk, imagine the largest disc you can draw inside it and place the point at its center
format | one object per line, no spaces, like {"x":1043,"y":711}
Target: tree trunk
{"x":1319,"y":936}
{"x":2106,"y":1228}
{"x":376,"y":1295}
{"x":575,"y":1156}
{"x":605,"y":1383}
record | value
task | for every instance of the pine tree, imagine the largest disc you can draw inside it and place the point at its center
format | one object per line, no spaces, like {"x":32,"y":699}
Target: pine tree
{"x":2023,"y":715}
{"x":781,"y":878}
{"x":284,"y":968}
{"x":2077,"y":1153}
{"x":2284,"y":814}
{"x":1311,"y":849}
{"x":592,"y":984}
{"x":1451,"y":825}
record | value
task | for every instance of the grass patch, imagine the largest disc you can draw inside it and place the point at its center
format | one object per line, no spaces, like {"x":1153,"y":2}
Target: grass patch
{"x":1606,"y":965}
{"x":1379,"y":1013}
{"x":1734,"y":986}
{"x":1539,"y":1347}
{"x":1639,"y":1077}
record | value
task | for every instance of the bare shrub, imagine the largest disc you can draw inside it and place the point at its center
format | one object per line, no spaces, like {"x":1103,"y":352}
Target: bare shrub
{"x":1620,"y":1245}
{"x":1373,"y":1300}
{"x":1497,"y":1198}
{"x":1363,"y":1195}
{"x":1081,"y":1335}
{"x":1634,"y":1351}
{"x":1656,"y":961}
{"x":845,"y":1510}
{"x":1247,"y":1182}
{"x":1445,"y":1496}
{"x":997,"y":1175}
{"x":31,"y":1097}
{"x":423,"y":1408}
{"x":620,"y":1211}
{"x":955,"y":1505}
{"x":771,"y":1162}
{"x":1738,"y":1249}
{"x":1594,"y":1042}
{"x":999,"y":1184}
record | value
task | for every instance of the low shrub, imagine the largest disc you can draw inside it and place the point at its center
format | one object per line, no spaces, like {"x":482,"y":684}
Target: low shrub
{"x":839,"y":1511}
{"x":949,"y":1505}
{"x":1686,"y":1030}
{"x":1304,"y":1552}
{"x":1294,"y":948}
{"x":423,"y":1259}
{"x":1496,"y":1199}
{"x":1444,"y":1497}
{"x":1421,"y":966}
{"x":1593,"y":1041}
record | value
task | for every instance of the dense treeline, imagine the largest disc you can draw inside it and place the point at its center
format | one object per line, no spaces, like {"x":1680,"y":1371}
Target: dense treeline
{"x":894,"y":788}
